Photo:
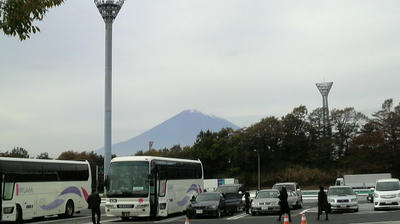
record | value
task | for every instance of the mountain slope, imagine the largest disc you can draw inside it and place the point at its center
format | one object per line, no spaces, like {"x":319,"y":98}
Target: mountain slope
{"x":181,"y":129}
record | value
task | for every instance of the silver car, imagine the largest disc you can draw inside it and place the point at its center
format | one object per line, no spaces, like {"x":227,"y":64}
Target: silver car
{"x":292,"y":199}
{"x":342,"y":198}
{"x":291,"y":186}
{"x":266,"y":201}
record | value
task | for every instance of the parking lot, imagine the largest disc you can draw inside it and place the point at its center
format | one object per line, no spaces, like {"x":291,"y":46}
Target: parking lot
{"x":365,"y":215}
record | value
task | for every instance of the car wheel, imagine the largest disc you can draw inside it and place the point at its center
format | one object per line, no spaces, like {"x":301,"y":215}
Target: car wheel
{"x":69,"y":209}
{"x":253,"y":213}
{"x":356,"y":210}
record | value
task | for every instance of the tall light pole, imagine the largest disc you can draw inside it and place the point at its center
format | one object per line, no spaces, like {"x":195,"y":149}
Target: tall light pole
{"x":109,"y":10}
{"x":324,"y":89}
{"x":258,"y":159}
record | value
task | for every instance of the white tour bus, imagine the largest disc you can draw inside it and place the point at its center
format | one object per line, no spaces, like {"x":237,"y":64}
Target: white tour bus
{"x":36,"y":188}
{"x":146,"y":186}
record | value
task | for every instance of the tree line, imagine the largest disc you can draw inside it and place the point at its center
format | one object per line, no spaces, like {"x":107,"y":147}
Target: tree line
{"x":294,"y":147}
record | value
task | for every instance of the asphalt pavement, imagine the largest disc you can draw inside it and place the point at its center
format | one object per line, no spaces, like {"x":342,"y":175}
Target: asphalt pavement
{"x":366,"y":215}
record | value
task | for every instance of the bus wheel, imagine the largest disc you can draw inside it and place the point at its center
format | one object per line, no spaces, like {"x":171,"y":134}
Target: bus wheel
{"x":19,"y":215}
{"x":69,"y":209}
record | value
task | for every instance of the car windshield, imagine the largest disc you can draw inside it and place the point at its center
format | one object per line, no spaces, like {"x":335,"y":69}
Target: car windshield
{"x":207,"y":197}
{"x":128,"y":179}
{"x":341,"y":191}
{"x":387,"y":186}
{"x":289,"y":187}
{"x":253,"y":194}
{"x":267,"y":194}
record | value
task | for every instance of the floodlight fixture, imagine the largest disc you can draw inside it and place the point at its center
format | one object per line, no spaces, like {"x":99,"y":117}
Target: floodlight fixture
{"x":324,"y":89}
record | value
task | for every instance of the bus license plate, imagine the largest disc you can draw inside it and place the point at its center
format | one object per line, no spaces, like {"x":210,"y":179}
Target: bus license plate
{"x":199,"y":211}
{"x":125,"y":214}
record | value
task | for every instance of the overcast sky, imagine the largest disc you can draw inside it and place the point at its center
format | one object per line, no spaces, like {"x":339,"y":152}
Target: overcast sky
{"x":236,"y":59}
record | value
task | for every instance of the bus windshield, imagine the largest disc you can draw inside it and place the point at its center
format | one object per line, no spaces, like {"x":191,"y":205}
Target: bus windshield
{"x":128,"y":179}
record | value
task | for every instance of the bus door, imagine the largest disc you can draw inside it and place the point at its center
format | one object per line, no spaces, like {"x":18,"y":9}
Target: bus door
{"x":1,"y":195}
{"x":162,"y":192}
{"x":153,"y":192}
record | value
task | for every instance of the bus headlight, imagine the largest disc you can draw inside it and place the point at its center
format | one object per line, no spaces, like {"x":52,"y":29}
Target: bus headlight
{"x":8,"y":210}
{"x":111,"y":206}
{"x":147,"y":205}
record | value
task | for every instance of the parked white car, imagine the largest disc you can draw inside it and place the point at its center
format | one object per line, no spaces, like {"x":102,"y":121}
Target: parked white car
{"x":291,"y":186}
{"x":266,"y":201}
{"x":292,"y":199}
{"x":342,"y":198}
{"x":387,"y":194}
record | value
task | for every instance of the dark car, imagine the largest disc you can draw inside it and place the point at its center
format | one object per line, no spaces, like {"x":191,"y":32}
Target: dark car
{"x":233,"y":197}
{"x":206,"y":204}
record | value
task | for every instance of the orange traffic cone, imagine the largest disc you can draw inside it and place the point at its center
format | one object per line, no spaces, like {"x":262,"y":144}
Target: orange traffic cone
{"x":187,"y":220}
{"x":286,"y":219}
{"x":303,"y":218}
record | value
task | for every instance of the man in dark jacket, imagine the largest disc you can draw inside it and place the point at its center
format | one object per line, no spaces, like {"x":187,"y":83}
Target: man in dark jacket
{"x":247,"y":200}
{"x":323,"y":204}
{"x":283,"y":196}
{"x":94,"y":202}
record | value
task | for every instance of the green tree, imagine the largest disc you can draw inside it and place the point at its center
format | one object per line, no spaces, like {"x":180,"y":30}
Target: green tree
{"x":17,"y":152}
{"x":17,"y":16}
{"x":43,"y":155}
{"x":346,"y":124}
{"x":295,"y":131}
{"x":388,"y":119}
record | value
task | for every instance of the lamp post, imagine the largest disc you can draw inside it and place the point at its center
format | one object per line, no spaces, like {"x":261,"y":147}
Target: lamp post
{"x":258,"y":159}
{"x":109,"y":10}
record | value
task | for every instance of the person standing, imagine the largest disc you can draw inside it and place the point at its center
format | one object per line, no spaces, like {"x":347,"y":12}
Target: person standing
{"x":94,"y":202}
{"x":283,"y":202}
{"x":323,"y":204}
{"x":247,"y":201}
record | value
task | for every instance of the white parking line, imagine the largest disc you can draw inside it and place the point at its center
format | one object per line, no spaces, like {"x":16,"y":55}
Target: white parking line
{"x":306,"y":210}
{"x":237,"y":216}
{"x":386,"y":222}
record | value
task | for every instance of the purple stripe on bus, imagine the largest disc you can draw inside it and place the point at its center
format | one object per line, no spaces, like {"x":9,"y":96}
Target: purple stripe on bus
{"x":53,"y":204}
{"x":183,"y":201}
{"x":71,"y":190}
